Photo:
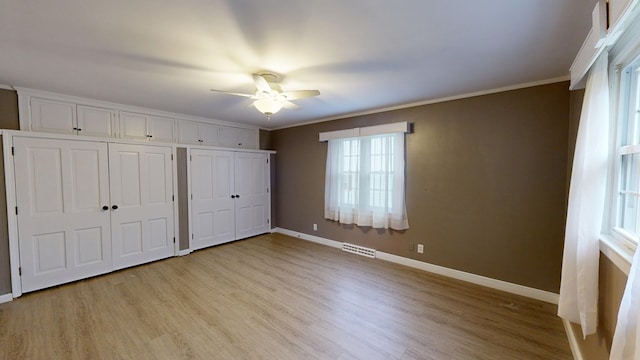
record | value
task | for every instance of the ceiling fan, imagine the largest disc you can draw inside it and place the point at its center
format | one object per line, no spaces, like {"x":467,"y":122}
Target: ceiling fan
{"x":269,"y":97}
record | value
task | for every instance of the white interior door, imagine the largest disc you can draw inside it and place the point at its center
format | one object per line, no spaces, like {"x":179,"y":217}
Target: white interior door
{"x":212,"y":207}
{"x":142,"y":203}
{"x":252,"y":198}
{"x":61,"y":189}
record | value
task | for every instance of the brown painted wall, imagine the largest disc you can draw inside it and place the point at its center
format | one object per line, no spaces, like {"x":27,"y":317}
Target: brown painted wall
{"x":486,"y":184}
{"x":9,"y":110}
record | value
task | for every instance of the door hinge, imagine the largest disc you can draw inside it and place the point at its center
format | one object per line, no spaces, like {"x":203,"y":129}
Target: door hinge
{"x":20,"y":270}
{"x":267,"y":160}
{"x":16,"y":210}
{"x":267,"y":190}
{"x":13,"y":150}
{"x":174,"y":239}
{"x":192,"y":236}
{"x":190,"y":158}
{"x":173,"y":198}
{"x":171,"y":157}
{"x":191,"y":196}
{"x":267,"y":221}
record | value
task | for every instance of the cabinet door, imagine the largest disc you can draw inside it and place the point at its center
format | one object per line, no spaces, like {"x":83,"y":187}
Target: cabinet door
{"x":160,"y":129}
{"x":188,"y":132}
{"x":209,"y":134}
{"x":53,"y":116}
{"x":212,"y":205}
{"x":93,"y":121}
{"x":61,"y":188}
{"x":238,"y":137}
{"x":141,"y":180}
{"x":133,"y":126}
{"x":252,"y":199}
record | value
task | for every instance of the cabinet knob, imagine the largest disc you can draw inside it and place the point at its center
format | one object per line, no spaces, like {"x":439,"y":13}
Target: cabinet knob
{"x":79,"y":129}
{"x":237,"y":196}
{"x":105,"y":207}
{"x":149,"y":136}
{"x":115,"y":207}
{"x":233,"y":196}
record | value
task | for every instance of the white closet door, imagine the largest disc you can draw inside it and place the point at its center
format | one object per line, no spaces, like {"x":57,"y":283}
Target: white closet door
{"x":61,"y":189}
{"x":212,"y":205}
{"x":252,"y":199}
{"x":142,"y":205}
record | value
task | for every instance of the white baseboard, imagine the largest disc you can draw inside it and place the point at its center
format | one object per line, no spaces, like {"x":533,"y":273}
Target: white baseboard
{"x":525,"y":291}
{"x":184,"y":252}
{"x":6,"y":298}
{"x":573,"y":340}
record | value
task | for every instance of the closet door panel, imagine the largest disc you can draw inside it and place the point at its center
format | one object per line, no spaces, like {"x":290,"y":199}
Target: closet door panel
{"x":251,"y":186}
{"x":61,"y":187}
{"x":141,"y":191}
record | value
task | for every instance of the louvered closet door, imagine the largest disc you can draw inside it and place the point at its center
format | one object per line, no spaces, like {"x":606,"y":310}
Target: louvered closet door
{"x":213,"y":215}
{"x":141,"y":189}
{"x":61,"y":188}
{"x":252,"y":201}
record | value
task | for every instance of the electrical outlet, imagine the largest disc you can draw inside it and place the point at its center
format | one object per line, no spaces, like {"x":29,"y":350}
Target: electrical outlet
{"x":420,"y":248}
{"x":315,"y":227}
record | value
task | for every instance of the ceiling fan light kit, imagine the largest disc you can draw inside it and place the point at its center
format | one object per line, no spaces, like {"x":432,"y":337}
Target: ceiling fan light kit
{"x":269,"y":97}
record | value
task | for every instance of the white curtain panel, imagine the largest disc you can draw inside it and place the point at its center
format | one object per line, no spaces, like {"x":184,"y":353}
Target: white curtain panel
{"x":579,"y":285}
{"x":626,"y":334}
{"x":355,"y":190}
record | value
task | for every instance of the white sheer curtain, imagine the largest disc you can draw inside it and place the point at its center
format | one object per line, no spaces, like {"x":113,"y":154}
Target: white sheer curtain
{"x":579,"y":286}
{"x":364,"y":181}
{"x":625,"y":338}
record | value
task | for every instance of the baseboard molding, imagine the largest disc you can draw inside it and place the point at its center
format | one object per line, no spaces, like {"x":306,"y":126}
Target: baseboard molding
{"x":573,"y":340}
{"x":184,"y":252}
{"x":521,"y":290}
{"x":6,"y":298}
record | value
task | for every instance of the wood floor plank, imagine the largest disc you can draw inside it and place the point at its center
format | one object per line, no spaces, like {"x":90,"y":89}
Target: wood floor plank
{"x":276,"y":297}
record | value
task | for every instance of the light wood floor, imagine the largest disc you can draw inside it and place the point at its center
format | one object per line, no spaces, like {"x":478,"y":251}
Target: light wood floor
{"x":275,"y":297}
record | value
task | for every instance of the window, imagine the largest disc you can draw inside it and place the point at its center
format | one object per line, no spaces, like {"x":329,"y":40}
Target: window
{"x":365,"y":181}
{"x":627,"y":217}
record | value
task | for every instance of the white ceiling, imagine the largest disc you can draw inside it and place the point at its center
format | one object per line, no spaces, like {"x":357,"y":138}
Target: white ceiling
{"x":361,"y":54}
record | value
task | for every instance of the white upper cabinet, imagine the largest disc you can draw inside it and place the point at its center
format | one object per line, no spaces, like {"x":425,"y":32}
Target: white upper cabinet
{"x":145,"y":127}
{"x":239,"y":137}
{"x":66,"y":118}
{"x":70,"y":115}
{"x":93,"y":121}
{"x":53,"y":116}
{"x":197,"y":133}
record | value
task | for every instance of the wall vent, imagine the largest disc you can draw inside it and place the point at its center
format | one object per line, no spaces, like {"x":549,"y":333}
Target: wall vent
{"x":359,"y":250}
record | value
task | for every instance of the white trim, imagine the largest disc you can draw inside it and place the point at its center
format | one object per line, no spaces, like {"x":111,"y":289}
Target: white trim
{"x":6,"y":298}
{"x":12,"y":218}
{"x":184,"y":252}
{"x":620,"y":255}
{"x":512,"y":288}
{"x":591,"y":47}
{"x":573,"y":340}
{"x":429,"y":102}
{"x":6,"y":87}
{"x":390,"y":128}
{"x":525,"y":291}
{"x":315,"y":239}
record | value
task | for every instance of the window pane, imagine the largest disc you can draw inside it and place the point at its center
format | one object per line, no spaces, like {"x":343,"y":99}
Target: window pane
{"x":628,"y":196}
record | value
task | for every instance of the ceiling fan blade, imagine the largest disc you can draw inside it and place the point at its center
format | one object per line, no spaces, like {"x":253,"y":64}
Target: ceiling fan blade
{"x":289,"y":105}
{"x":261,"y":83}
{"x":233,"y":93}
{"x":300,"y":94}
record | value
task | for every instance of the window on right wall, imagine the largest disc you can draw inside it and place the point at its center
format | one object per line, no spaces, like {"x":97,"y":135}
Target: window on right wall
{"x":626,"y":219}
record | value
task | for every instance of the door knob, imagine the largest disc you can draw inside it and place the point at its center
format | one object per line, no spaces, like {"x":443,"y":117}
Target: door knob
{"x":105,"y":207}
{"x":115,"y":207}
